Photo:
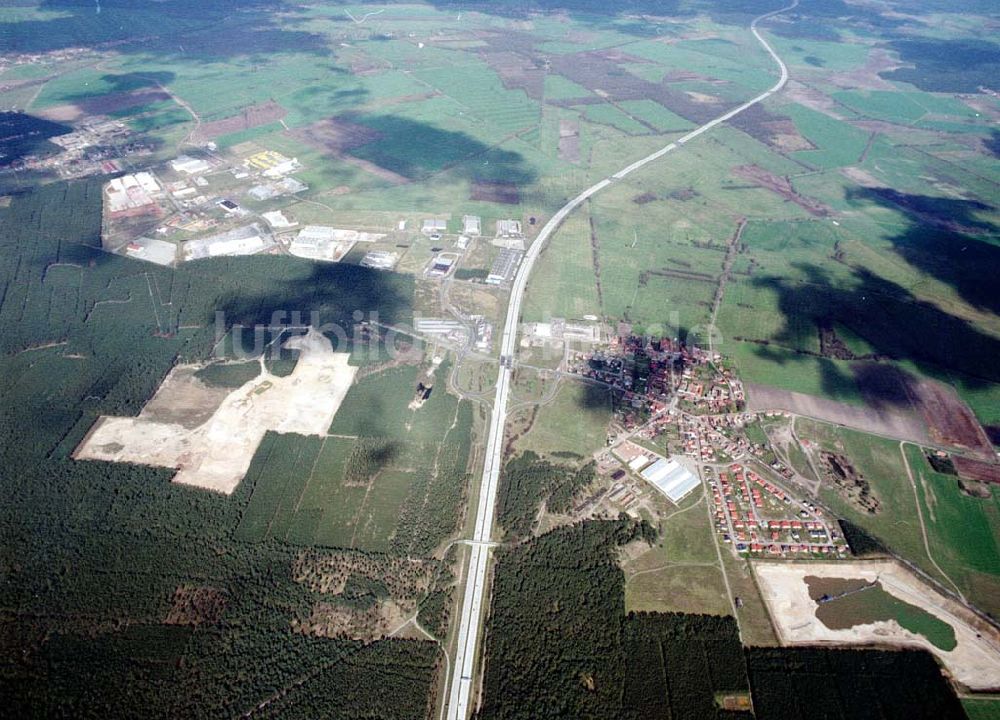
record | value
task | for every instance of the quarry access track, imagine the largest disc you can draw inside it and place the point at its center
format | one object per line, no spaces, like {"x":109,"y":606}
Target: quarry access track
{"x":473,"y":601}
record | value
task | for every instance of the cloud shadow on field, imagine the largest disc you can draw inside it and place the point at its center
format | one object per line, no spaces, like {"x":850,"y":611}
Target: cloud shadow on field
{"x":992,"y":143}
{"x":945,"y":238}
{"x":594,"y":399}
{"x":417,"y":150}
{"x":899,"y":327}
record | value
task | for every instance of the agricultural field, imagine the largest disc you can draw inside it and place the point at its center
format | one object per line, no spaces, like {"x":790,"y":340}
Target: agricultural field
{"x":396,"y":486}
{"x":575,"y":421}
{"x":962,"y":530}
{"x":681,"y":572}
{"x":836,"y":236}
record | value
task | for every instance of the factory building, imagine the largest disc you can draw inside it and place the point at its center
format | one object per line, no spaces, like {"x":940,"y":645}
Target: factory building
{"x":504,"y":267}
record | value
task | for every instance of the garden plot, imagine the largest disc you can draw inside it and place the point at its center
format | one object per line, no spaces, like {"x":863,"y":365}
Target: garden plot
{"x":216,"y":453}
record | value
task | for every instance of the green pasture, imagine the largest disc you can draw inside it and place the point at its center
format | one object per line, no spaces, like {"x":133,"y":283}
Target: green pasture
{"x":783,"y":368}
{"x":906,"y":107}
{"x":576,"y":421}
{"x":964,"y":531}
{"x":982,"y":708}
{"x":558,"y":87}
{"x":478,"y":89}
{"x":563,"y":283}
{"x":880,"y":462}
{"x":820,"y":55}
{"x":839,"y":143}
{"x":652,"y":113}
{"x":752,"y":70}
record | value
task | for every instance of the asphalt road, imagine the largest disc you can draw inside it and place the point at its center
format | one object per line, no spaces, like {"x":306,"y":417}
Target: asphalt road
{"x":460,"y":695}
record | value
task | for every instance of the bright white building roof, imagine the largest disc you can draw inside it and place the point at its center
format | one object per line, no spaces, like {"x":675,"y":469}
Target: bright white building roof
{"x":670,"y":478}
{"x":638,"y":463}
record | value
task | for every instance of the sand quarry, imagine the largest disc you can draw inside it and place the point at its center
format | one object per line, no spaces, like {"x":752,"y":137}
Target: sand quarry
{"x":975,"y":661}
{"x":210,"y":435}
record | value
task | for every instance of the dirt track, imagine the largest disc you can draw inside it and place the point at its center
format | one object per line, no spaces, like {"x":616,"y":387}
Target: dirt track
{"x":975,"y":661}
{"x":216,"y":454}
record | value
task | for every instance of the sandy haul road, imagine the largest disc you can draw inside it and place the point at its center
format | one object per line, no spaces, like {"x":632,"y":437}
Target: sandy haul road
{"x":975,"y":661}
{"x":216,"y":453}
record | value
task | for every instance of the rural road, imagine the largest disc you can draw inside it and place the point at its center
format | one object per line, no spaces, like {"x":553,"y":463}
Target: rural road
{"x":463,"y":673}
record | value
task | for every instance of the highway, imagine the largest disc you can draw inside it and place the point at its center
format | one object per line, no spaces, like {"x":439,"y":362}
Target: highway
{"x":460,"y":694}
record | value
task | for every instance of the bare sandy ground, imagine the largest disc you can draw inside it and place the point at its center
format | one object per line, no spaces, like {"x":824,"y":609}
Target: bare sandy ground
{"x":975,"y":661}
{"x":216,"y":453}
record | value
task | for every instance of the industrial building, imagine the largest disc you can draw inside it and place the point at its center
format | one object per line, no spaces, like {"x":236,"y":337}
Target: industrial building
{"x":442,"y":264}
{"x":151,"y":250}
{"x":504,"y":267}
{"x":272,"y":164}
{"x":190,"y":166}
{"x":671,"y":478}
{"x":437,"y":326}
{"x":472,"y":225}
{"x":278,"y":220}
{"x":560,"y":329}
{"x":434,"y":226}
{"x":319,"y":242}
{"x":266,"y":191}
{"x":380,"y":260}
{"x":131,"y":192}
{"x":509,"y":229}
{"x":246,"y":240}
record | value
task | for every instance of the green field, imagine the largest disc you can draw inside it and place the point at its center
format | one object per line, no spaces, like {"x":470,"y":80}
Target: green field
{"x":659,"y":117}
{"x":982,"y":709}
{"x":964,"y":531}
{"x":575,"y":421}
{"x":680,"y":573}
{"x":961,"y":530}
{"x":406,"y":496}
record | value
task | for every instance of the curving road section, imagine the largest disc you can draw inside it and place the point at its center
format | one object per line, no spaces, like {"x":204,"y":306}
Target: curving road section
{"x":462,"y":680}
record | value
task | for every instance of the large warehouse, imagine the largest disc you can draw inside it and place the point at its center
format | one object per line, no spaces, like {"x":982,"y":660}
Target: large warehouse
{"x":670,"y":478}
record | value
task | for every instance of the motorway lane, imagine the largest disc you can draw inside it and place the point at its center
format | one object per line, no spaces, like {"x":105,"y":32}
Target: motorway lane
{"x":475,"y":580}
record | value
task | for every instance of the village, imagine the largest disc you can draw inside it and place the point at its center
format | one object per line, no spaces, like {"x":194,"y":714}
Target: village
{"x":680,"y":421}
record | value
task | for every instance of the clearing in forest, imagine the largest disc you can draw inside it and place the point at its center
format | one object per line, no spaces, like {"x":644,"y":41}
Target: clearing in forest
{"x":216,"y":453}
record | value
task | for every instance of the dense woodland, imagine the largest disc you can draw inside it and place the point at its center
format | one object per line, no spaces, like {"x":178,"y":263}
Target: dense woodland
{"x":862,"y":543}
{"x":93,"y":554}
{"x":527,"y":481}
{"x":821,"y":683}
{"x":559,"y":645}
